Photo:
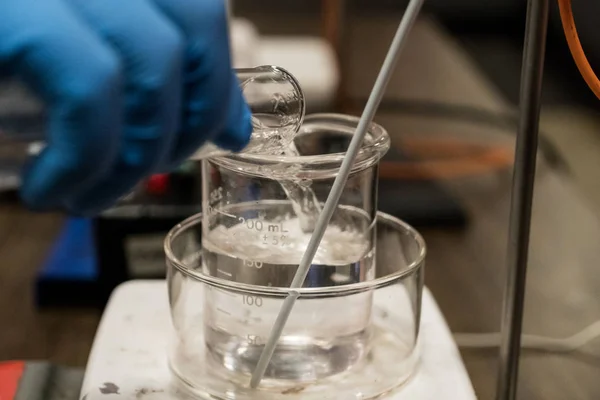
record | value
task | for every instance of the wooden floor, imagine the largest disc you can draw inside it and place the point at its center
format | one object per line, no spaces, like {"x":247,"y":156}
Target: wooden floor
{"x":465,"y":268}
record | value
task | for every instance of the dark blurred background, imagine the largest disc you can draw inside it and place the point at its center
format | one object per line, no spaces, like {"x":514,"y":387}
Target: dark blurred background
{"x":491,"y":32}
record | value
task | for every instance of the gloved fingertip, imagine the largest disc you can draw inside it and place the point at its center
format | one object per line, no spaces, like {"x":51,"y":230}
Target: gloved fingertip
{"x":238,"y":131}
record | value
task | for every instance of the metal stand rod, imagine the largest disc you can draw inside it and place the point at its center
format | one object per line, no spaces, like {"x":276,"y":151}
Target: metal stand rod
{"x":522,"y":194}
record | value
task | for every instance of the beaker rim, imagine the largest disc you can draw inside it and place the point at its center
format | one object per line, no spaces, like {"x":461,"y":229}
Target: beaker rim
{"x":371,"y":151}
{"x":343,"y":290}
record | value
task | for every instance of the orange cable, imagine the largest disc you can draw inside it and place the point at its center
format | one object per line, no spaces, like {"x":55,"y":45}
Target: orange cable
{"x":568,"y":23}
{"x":445,"y":159}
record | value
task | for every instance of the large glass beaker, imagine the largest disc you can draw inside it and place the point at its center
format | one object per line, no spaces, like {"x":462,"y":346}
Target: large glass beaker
{"x":336,"y":345}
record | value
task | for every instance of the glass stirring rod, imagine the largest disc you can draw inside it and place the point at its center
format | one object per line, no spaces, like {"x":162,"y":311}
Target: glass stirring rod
{"x":273,"y":94}
{"x":375,"y":97}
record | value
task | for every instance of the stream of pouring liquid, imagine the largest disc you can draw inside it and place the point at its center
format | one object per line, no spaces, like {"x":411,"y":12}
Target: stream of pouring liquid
{"x":303,"y":199}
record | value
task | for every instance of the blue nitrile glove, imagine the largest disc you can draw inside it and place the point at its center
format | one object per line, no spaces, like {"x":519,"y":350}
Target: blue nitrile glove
{"x":133,"y":87}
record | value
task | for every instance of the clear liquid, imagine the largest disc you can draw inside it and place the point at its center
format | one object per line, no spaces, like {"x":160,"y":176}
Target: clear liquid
{"x":272,"y":137}
{"x":269,"y":137}
{"x":322,"y":337}
{"x":268,"y":252}
{"x":277,"y":141}
{"x":304,"y":202}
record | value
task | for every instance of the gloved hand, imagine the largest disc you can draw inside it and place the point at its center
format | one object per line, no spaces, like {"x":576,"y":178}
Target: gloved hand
{"x":132,"y":87}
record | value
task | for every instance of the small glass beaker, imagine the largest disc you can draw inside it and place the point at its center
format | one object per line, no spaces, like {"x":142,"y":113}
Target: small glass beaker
{"x":259,"y":210}
{"x":277,"y":104}
{"x":258,"y":216}
{"x":320,"y":356}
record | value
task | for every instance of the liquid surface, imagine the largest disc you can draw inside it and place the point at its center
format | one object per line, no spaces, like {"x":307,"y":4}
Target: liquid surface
{"x":268,"y":253}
